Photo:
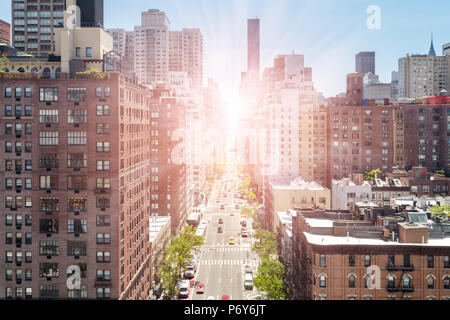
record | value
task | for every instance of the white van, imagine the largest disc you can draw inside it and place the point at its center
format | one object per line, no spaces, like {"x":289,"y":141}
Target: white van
{"x":248,"y":281}
{"x":183,"y":288}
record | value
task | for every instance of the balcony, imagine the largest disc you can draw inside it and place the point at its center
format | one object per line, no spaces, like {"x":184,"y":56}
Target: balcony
{"x":392,"y":267}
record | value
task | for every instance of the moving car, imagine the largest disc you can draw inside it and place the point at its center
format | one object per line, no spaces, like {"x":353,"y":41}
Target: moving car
{"x":220,"y":221}
{"x":220,"y":230}
{"x":200,"y":288}
{"x":222,"y":207}
{"x":244,"y":233}
{"x":236,"y":206}
{"x":231,"y":241}
{"x":225,"y":297}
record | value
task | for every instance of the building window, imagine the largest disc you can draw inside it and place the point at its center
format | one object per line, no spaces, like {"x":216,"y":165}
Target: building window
{"x":48,"y":138}
{"x":78,"y":52}
{"x":76,"y":248}
{"x":48,"y":248}
{"x":103,"y":183}
{"x":76,"y":160}
{"x":430,"y":282}
{"x":446,"y":262}
{"x":103,"y":165}
{"x":76,"y":182}
{"x":48,"y":94}
{"x":77,"y":205}
{"x":447,"y":282}
{"x":323,"y":263}
{"x":103,"y":128}
{"x":351,"y":281}
{"x":48,"y":182}
{"x":391,"y":282}
{"x":103,"y":293}
{"x":406,"y":282}
{"x":98,"y":92}
{"x":103,"y":221}
{"x":78,"y":116}
{"x":430,"y":262}
{"x":107,"y":91}
{"x":77,"y":293}
{"x":49,"y":291}
{"x":103,"y":147}
{"x":367,"y":261}
{"x":103,"y":111}
{"x":49,"y":204}
{"x":8,"y":92}
{"x":323,"y":281}
{"x":76,"y":94}
{"x":76,"y":138}
{"x":103,"y":203}
{"x":88,"y":52}
{"x":48,"y":116}
{"x":76,"y":226}
{"x":103,"y":238}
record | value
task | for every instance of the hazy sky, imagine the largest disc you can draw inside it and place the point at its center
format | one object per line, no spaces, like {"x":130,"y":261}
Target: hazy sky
{"x":329,"y":33}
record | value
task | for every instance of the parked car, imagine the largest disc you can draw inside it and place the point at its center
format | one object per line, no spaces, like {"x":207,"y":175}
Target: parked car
{"x":183,"y":289}
{"x":225,"y":297}
{"x":231,"y":241}
{"x":220,"y":230}
{"x":220,"y":221}
{"x":236,"y":206}
{"x":244,"y":233}
{"x":222,"y":207}
{"x":190,"y":272}
{"x":248,"y":281}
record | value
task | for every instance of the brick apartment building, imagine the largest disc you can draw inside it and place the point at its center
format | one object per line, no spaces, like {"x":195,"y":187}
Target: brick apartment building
{"x":76,"y":172}
{"x":5,"y":32}
{"x":359,"y":139}
{"x":168,"y":175}
{"x":332,"y":255}
{"x":425,"y":138}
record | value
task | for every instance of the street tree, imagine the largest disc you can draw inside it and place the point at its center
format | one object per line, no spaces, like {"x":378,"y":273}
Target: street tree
{"x":270,"y":279}
{"x":266,"y":243}
{"x":178,"y":254}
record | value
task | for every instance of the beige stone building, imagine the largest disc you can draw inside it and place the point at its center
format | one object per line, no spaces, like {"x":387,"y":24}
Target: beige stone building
{"x":298,"y":194}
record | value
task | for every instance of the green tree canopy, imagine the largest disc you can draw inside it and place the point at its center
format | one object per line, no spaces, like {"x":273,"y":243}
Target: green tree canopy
{"x":265,"y":244}
{"x":91,"y":73}
{"x":370,"y":175}
{"x":270,"y":279}
{"x":178,"y":254}
{"x":442,"y":212}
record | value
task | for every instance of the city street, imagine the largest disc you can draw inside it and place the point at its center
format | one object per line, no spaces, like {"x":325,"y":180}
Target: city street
{"x":220,"y":266}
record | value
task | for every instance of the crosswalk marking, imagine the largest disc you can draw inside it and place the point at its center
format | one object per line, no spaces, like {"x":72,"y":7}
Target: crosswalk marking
{"x":228,"y":262}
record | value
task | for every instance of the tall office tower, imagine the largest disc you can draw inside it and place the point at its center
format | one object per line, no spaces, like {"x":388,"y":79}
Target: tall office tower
{"x":91,"y":12}
{"x":151,"y":58}
{"x":123,"y":44}
{"x":253,"y":49}
{"x":365,"y":62}
{"x":33,"y":24}
{"x":168,"y":163}
{"x":186,"y":54}
{"x":5,"y":32}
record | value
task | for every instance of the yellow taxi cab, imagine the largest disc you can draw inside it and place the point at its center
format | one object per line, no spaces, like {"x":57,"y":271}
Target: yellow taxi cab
{"x":231,"y":241}
{"x":231,"y":214}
